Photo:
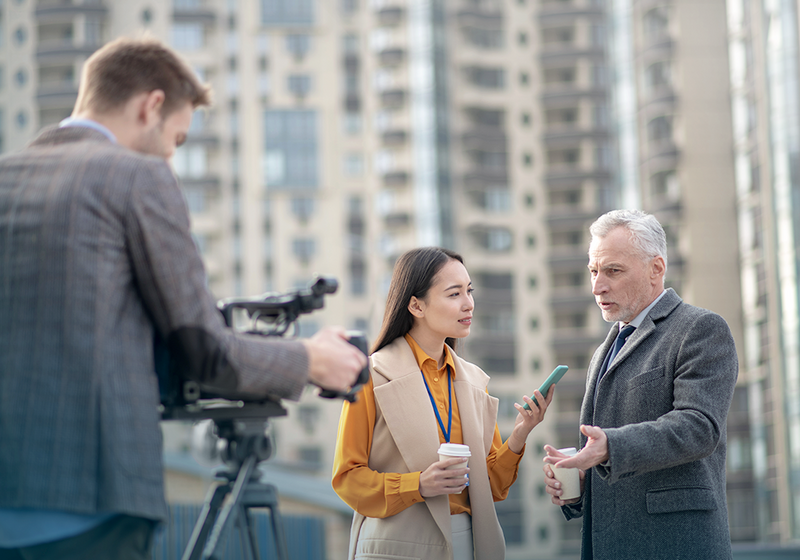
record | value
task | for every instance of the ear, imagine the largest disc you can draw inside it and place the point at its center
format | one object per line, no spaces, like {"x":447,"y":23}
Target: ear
{"x":416,"y":307}
{"x":150,"y":109}
{"x":657,"y":267}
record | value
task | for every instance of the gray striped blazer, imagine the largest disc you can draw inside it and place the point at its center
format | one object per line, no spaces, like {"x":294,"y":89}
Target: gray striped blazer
{"x":96,"y":258}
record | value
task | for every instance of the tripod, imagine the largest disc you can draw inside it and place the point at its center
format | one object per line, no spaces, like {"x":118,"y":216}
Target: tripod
{"x":244,"y":445}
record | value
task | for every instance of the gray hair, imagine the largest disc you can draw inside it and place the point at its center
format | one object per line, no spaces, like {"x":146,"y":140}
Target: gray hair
{"x":647,"y":235}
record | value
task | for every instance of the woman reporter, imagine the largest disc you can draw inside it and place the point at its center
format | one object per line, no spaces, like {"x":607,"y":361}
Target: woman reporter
{"x":407,"y":503}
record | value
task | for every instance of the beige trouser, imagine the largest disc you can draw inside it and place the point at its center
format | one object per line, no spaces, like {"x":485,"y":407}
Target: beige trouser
{"x":462,"y":536}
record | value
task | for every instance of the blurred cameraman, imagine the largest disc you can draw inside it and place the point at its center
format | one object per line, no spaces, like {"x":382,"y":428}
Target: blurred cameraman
{"x":96,"y":258}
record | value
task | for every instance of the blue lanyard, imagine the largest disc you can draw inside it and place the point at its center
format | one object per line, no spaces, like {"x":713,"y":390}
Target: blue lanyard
{"x":435,"y":408}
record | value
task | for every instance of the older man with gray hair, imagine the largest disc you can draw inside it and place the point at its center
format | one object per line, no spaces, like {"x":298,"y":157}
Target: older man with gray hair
{"x":653,"y":417}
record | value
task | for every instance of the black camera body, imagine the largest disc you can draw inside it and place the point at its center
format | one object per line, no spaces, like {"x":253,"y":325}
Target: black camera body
{"x":266,"y":315}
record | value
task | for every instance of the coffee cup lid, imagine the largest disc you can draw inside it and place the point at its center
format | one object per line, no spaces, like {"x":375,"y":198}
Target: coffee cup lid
{"x":455,"y":450}
{"x":568,"y":451}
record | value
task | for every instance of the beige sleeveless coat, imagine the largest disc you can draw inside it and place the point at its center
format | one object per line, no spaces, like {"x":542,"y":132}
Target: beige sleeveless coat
{"x":405,"y":439}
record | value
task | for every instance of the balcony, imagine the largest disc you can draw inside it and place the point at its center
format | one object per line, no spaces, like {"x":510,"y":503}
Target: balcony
{"x":393,"y":98}
{"x":391,"y":16}
{"x":558,"y":134}
{"x":394,"y":137}
{"x":570,"y":54}
{"x":484,"y":138}
{"x":571,"y":174}
{"x":555,"y":12}
{"x":52,"y":95}
{"x":193,"y":11}
{"x":480,"y":19}
{"x":57,"y":9}
{"x":351,"y":62}
{"x":352,"y":103}
{"x":480,"y":178}
{"x":557,"y":97}
{"x":397,"y":220}
{"x":55,"y":52}
{"x":396,"y":178}
{"x":392,"y":57}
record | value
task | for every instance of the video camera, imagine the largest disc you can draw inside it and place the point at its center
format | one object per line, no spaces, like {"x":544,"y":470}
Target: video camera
{"x":270,"y":314}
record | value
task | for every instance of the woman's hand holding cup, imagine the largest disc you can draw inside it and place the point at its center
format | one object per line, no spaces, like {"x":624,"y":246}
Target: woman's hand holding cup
{"x":444,"y":477}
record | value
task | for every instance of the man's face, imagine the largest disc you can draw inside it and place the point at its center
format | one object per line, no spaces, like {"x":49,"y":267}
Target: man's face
{"x":623,"y":281}
{"x":167,"y":134}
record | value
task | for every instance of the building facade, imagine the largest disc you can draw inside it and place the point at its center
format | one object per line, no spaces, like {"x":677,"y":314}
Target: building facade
{"x":346,"y":132}
{"x":764,"y":74}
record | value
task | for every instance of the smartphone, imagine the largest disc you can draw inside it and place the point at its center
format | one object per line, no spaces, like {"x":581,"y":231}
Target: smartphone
{"x":552,"y":379}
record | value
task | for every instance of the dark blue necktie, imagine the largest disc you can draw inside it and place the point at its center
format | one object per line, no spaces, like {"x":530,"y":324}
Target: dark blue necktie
{"x":623,"y":335}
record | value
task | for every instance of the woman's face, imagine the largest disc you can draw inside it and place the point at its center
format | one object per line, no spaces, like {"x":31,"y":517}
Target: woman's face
{"x":446,"y":311}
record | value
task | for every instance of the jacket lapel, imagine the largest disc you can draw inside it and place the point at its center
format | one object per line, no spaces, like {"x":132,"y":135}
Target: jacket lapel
{"x":663,"y":308}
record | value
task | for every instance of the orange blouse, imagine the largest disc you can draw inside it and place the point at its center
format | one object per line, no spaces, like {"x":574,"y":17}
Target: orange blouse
{"x":376,"y":494}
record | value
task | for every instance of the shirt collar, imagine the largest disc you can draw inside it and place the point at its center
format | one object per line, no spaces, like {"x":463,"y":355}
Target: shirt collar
{"x":637,"y":321}
{"x":421,"y":356}
{"x":88,"y":123}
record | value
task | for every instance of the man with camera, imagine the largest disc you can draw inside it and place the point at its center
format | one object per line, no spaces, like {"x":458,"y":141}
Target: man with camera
{"x":96,"y":260}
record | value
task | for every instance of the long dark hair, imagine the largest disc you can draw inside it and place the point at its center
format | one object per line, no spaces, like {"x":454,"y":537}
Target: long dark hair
{"x":412,"y":276}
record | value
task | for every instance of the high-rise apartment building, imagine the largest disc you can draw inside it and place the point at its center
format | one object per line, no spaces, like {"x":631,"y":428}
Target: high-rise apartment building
{"x":764,"y":73}
{"x":346,"y":132}
{"x":676,"y":158}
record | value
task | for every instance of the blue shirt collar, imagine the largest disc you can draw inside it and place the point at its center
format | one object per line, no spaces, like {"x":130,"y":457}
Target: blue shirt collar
{"x":88,"y":123}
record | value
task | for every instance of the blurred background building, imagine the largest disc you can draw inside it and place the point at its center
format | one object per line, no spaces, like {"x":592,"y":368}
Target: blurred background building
{"x":345,"y":132}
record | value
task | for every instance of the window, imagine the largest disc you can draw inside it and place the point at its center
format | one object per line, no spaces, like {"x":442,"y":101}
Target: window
{"x":567,"y":157}
{"x":22,"y":120}
{"x":353,"y":165}
{"x":290,"y":156}
{"x":287,"y":12}
{"x":497,"y":200}
{"x":195,"y":200}
{"x":487,"y":78}
{"x":665,"y":183}
{"x":358,"y":276}
{"x":190,"y":162}
{"x":312,"y":456}
{"x":510,"y":514}
{"x":308,"y":416}
{"x":304,"y":248}
{"x":298,"y":45}
{"x":488,"y":39}
{"x":94,"y":31}
{"x":300,"y":84}
{"x":186,"y":4}
{"x":352,"y":123}
{"x":302,"y":207}
{"x":498,"y":322}
{"x":656,"y":22}
{"x":659,"y":129}
{"x":350,"y":43}
{"x":562,"y":76}
{"x":188,"y":36}
{"x":494,"y":239}
{"x":21,"y":77}
{"x":349,"y":6}
{"x":657,"y":75}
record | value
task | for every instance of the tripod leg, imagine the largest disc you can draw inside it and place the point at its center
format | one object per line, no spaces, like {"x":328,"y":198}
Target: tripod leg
{"x":246,"y":528}
{"x":205,"y":521}
{"x":277,"y":531}
{"x":233,"y":503}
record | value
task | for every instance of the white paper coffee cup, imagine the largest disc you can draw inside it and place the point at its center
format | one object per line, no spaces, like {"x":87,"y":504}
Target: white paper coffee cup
{"x":450,"y":450}
{"x":570,"y":479}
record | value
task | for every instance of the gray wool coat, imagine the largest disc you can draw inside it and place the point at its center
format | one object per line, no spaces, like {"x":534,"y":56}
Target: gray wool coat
{"x":96,"y":257}
{"x":663,"y":404}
